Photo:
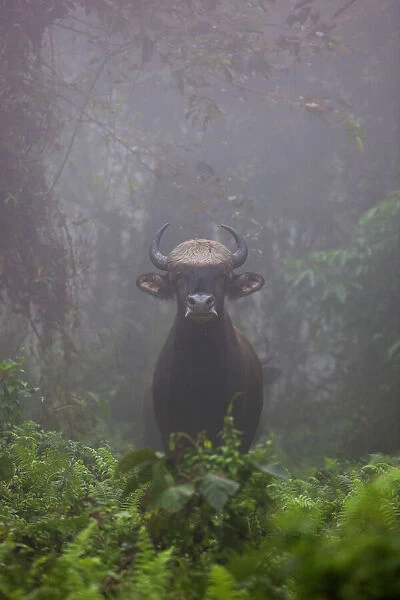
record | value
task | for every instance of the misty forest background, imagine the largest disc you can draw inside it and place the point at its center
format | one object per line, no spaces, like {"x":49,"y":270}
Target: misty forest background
{"x":281,"y":119}
{"x":278,"y":118}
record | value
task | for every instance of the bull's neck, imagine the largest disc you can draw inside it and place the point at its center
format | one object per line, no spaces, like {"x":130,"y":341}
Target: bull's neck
{"x":215,"y":333}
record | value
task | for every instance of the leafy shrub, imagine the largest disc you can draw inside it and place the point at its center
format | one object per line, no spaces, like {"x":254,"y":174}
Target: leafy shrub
{"x":195,"y":523}
{"x":349,"y":297}
{"x":12,"y":389}
{"x":203,"y":499}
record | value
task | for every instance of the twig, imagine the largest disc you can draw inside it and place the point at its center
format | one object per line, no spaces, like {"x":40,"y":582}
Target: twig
{"x":81,"y":113}
{"x":341,"y":10}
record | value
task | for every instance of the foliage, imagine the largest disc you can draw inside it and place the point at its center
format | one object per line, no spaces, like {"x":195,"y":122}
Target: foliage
{"x":198,"y":522}
{"x":58,"y":506}
{"x":352,"y":550}
{"x":34,"y":266}
{"x":202,"y":482}
{"x":12,"y":390}
{"x":355,"y":288}
{"x":151,"y":573}
{"x":339,"y":277}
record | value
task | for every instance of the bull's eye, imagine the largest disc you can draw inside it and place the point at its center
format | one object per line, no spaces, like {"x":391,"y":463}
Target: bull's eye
{"x":178,"y":275}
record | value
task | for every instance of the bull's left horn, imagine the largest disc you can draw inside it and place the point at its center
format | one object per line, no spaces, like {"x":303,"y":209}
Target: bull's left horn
{"x":158,"y":259}
{"x":240,"y":254}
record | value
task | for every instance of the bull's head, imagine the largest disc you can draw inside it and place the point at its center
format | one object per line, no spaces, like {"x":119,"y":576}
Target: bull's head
{"x":200,"y":273}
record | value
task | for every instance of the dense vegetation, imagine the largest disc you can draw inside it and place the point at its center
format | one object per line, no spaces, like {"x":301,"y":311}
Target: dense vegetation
{"x":350,"y":297}
{"x":207,"y":523}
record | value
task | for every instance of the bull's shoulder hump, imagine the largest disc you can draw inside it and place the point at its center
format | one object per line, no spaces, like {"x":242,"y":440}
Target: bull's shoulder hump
{"x":240,"y":335}
{"x":244,"y":342}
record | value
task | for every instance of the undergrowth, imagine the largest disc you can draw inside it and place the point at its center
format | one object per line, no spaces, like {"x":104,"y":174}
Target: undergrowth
{"x":194,"y":523}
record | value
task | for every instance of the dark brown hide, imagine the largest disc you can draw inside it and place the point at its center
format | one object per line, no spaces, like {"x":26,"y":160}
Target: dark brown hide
{"x":206,"y":362}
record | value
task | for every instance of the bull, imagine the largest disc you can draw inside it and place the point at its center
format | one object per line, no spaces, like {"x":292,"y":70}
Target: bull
{"x":206,"y":361}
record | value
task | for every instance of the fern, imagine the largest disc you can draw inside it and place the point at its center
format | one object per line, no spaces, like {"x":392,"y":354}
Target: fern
{"x":76,"y":574}
{"x":52,"y":474}
{"x":69,"y":530}
{"x":223,"y":586}
{"x":151,"y":573}
{"x":375,"y":505}
{"x":104,"y":462}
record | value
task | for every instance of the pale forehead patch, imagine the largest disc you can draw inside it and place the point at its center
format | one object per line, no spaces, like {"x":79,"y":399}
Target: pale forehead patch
{"x":200,"y":253}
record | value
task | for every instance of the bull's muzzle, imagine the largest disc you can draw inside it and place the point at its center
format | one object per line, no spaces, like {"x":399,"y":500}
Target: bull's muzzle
{"x":200,"y":307}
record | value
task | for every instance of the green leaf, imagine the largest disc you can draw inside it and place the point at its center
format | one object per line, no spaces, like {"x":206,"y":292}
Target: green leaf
{"x":173,"y":498}
{"x":134,"y":459}
{"x":133,"y":185}
{"x":308,"y":274}
{"x":161,"y":478}
{"x":9,"y":364}
{"x":340,"y":291}
{"x":6,"y":468}
{"x":94,"y":396}
{"x":223,"y":585}
{"x":217,"y":489}
{"x":394,"y":348}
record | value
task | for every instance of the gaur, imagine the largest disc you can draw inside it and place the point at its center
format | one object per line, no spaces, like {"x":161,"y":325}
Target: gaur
{"x":206,"y":362}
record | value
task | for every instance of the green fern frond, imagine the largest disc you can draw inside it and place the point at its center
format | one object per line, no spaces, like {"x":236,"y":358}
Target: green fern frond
{"x":104,"y":461}
{"x":133,"y":503}
{"x":81,"y":544}
{"x":76,"y":573}
{"x":373,"y":505}
{"x":223,"y":586}
{"x":151,"y":572}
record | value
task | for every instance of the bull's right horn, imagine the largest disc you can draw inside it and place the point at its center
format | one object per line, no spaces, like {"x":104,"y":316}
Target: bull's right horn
{"x":158,"y":259}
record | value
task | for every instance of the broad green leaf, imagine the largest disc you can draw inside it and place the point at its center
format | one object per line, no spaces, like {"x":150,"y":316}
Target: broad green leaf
{"x":217,"y":489}
{"x":173,"y":498}
{"x":134,"y":459}
{"x":161,"y":478}
{"x":94,"y":396}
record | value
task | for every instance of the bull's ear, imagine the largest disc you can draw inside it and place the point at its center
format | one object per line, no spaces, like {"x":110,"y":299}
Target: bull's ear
{"x":155,"y":284}
{"x":245,"y":284}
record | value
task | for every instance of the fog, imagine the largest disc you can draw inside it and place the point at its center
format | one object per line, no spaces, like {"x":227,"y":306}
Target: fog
{"x":280,"y":119}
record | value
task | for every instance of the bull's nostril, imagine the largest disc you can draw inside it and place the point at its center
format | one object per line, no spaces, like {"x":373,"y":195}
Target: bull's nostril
{"x":210,"y":301}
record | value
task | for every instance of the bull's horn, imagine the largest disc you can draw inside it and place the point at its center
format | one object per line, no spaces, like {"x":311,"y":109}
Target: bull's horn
{"x":240,"y":254}
{"x":158,"y":259}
